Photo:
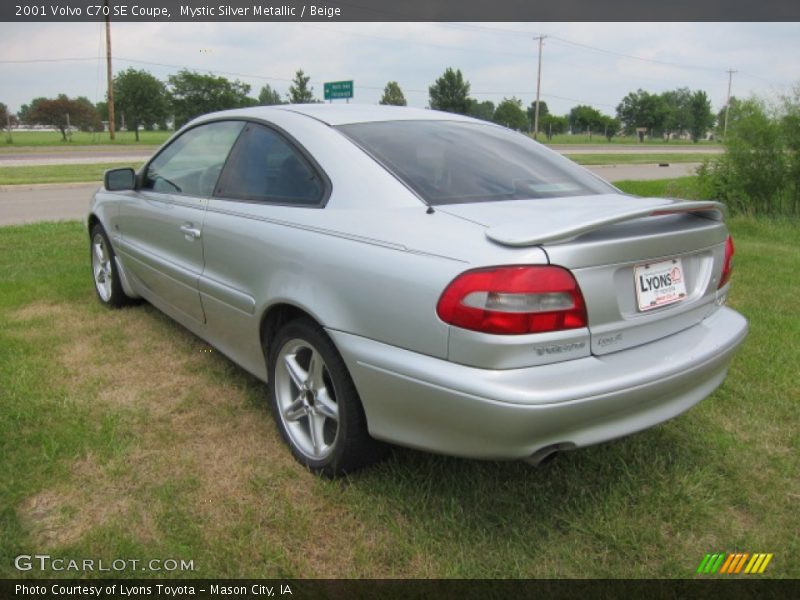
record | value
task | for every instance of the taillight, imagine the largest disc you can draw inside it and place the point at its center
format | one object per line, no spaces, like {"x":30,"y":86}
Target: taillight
{"x":514,"y":300}
{"x":727,"y":265}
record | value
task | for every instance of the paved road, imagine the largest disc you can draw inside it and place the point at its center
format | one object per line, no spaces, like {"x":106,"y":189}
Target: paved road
{"x":54,"y":202}
{"x":643,"y":172}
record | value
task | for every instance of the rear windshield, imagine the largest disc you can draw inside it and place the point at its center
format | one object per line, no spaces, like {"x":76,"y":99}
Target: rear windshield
{"x":450,"y":162}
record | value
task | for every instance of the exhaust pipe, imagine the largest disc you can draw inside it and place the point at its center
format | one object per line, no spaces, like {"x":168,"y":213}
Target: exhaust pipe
{"x":548,"y":453}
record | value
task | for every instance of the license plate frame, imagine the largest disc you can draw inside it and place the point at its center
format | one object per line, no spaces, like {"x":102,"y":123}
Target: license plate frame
{"x":659,"y":283}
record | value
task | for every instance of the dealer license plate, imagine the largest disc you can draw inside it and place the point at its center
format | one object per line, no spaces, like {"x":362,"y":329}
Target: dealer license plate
{"x":659,"y":283}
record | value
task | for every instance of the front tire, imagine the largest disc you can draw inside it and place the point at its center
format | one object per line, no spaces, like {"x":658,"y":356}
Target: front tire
{"x":315,"y":403}
{"x":107,"y":282}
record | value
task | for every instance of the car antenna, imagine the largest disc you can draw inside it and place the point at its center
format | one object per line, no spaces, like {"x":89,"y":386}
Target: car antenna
{"x":430,"y":210}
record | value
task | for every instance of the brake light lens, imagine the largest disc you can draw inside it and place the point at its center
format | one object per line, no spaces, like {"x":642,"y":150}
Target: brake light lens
{"x":514,"y":300}
{"x":727,"y":265}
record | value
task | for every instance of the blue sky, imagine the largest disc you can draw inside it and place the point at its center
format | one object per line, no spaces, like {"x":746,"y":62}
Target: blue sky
{"x":583,"y":63}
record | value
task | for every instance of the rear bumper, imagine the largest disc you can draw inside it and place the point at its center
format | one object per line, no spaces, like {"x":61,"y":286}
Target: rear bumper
{"x":435,"y":405}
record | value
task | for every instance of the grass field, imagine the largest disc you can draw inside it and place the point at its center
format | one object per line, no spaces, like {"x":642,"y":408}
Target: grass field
{"x":679,"y":187}
{"x":76,"y":173}
{"x":88,"y":173}
{"x":43,"y":139}
{"x":122,"y":435}
{"x":636,"y":159}
{"x":81,"y":138}
{"x":619,"y":140}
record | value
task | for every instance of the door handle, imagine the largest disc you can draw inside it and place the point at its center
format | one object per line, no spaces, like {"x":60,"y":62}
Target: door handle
{"x":190,"y":232}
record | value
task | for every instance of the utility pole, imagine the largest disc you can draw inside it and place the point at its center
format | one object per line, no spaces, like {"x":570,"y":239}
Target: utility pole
{"x":109,"y":75}
{"x":538,"y":88}
{"x":728,"y":102}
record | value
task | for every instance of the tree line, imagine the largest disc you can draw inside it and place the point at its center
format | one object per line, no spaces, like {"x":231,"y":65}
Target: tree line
{"x":144,"y":102}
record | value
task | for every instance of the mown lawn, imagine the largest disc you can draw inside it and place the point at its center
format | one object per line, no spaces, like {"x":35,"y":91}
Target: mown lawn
{"x":93,"y":172}
{"x":619,"y":140}
{"x":71,"y":173}
{"x":648,"y":158}
{"x":41,"y":140}
{"x":122,"y":435}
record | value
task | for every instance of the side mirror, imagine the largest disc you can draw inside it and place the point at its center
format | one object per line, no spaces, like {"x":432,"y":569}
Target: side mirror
{"x":118,"y":180}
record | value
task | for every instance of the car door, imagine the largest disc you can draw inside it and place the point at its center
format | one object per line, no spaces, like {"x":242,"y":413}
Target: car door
{"x":161,"y":226}
{"x":269,"y":182}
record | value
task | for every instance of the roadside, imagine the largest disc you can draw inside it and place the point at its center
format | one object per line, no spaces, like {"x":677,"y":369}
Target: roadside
{"x":55,"y":202}
{"x":45,"y":185}
{"x":21,"y":204}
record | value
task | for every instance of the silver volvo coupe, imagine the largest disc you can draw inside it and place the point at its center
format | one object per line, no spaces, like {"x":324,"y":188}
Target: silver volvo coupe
{"x":423,"y":279}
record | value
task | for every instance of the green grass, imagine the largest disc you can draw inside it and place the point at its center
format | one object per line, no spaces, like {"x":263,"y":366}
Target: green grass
{"x":72,"y":173}
{"x":635,"y":159}
{"x":122,"y":435}
{"x":618,"y":140}
{"x":679,"y":187}
{"x":42,"y":140}
{"x":88,"y":173}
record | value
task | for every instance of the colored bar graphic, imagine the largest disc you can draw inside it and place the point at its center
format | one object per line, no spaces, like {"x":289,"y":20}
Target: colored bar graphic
{"x":732,"y":558}
{"x":765,"y":563}
{"x":734,"y":563}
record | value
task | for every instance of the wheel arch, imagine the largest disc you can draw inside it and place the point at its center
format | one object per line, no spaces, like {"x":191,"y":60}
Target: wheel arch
{"x":91,"y":221}
{"x":276,"y":316}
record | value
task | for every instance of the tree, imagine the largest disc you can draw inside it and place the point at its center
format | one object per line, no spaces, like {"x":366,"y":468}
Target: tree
{"x":62,"y":112}
{"x":702,"y":119}
{"x":610,"y":126}
{"x":509,"y":113}
{"x":543,"y":112}
{"x":553,"y":125}
{"x":586,"y":118}
{"x":732,"y":110}
{"x":6,"y":117}
{"x":481,"y":110}
{"x":194,"y":94}
{"x":299,"y":91}
{"x":677,"y":111}
{"x":7,"y":120}
{"x":790,"y":128}
{"x":393,"y":95}
{"x":751,"y":176}
{"x":642,"y":109}
{"x":141,"y":98}
{"x":268,"y":97}
{"x":450,"y":92}
{"x":25,"y":110}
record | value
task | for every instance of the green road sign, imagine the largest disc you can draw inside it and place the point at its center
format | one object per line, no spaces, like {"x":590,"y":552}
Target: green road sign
{"x":338,"y":89}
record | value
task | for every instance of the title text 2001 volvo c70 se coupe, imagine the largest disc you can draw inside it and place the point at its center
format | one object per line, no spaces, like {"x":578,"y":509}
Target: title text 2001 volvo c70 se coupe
{"x":421,"y":278}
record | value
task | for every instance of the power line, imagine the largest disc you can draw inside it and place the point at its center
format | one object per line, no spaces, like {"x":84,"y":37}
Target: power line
{"x":45,"y":60}
{"x":632,"y":57}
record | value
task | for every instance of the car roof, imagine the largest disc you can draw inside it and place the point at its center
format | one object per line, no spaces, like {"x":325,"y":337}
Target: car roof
{"x":342,"y":114}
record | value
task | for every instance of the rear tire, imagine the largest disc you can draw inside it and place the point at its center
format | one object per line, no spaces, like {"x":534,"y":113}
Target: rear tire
{"x":315,"y":403}
{"x":107,"y":283}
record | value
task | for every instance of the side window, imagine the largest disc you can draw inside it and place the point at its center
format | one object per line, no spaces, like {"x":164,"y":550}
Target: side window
{"x":192,"y":163}
{"x":265,"y":167}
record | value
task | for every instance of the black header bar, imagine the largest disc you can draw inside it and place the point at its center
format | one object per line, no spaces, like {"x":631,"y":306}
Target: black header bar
{"x":232,"y":11}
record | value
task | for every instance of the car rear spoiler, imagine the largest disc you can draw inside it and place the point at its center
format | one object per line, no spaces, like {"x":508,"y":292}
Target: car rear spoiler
{"x":542,"y":231}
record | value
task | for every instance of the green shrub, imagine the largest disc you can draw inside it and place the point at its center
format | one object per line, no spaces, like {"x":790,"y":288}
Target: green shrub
{"x":759,"y":173}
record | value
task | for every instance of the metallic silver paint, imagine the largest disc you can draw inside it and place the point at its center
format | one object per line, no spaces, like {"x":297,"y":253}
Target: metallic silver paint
{"x":371,"y":264}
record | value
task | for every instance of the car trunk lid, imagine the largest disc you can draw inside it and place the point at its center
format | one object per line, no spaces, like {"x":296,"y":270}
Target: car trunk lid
{"x":647,"y":267}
